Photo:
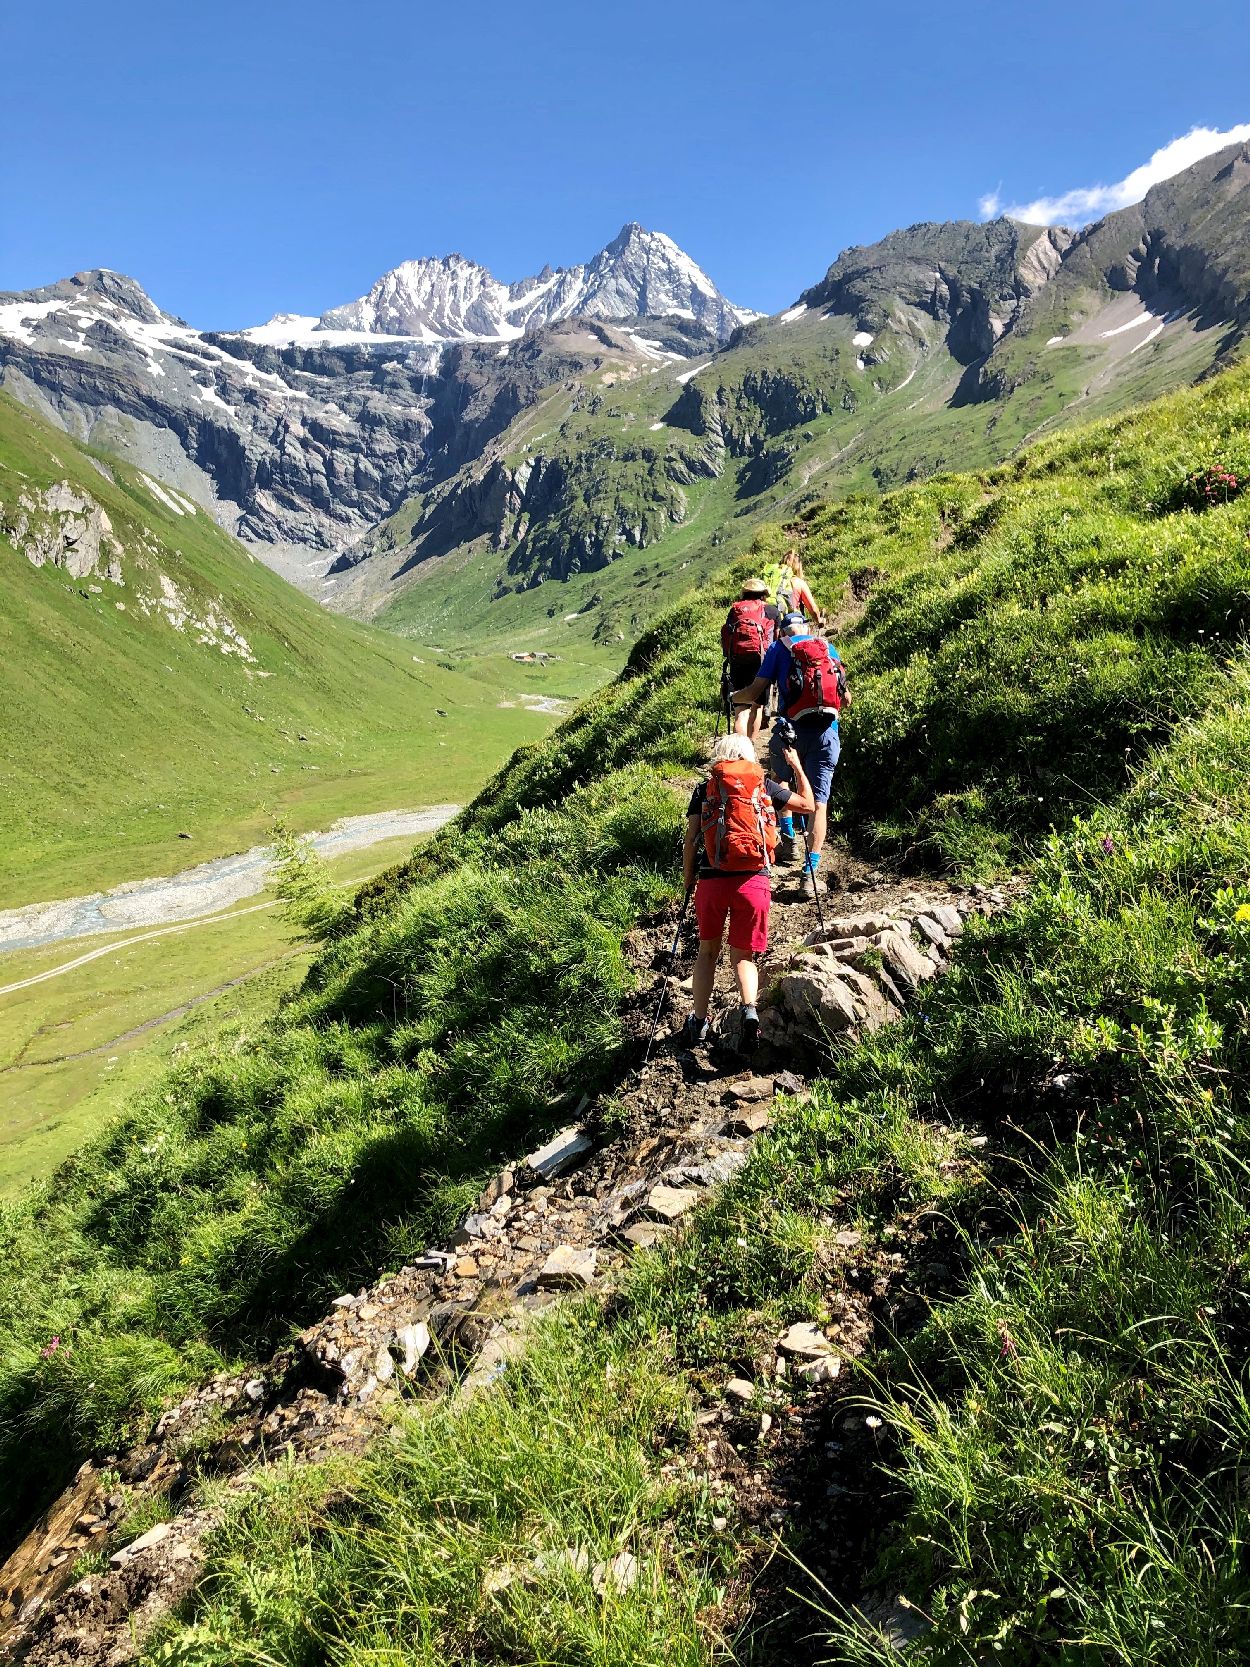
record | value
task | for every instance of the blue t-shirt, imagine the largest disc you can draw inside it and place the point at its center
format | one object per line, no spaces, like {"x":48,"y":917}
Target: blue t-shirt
{"x":775,"y":668}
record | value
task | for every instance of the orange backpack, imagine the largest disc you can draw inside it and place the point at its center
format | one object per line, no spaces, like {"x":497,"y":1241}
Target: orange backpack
{"x":739,"y":823}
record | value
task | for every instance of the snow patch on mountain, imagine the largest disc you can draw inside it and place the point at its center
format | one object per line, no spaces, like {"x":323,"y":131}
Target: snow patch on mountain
{"x":160,"y":494}
{"x":17,"y":317}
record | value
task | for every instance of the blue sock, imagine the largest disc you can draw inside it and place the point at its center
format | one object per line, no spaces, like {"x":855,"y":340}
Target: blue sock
{"x":786,"y":826}
{"x":813,"y":861}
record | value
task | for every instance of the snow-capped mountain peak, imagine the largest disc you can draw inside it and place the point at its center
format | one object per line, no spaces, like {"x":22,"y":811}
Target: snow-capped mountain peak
{"x":446,"y":298}
{"x":640,"y":274}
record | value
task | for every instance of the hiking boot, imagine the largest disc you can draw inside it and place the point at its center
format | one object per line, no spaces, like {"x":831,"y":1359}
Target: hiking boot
{"x":749,"y":1032}
{"x":787,"y":850}
{"x":809,"y":882}
{"x":694,"y":1031}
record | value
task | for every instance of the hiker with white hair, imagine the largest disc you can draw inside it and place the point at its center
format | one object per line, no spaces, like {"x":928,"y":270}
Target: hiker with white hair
{"x":731,"y":836}
{"x":811,"y":692}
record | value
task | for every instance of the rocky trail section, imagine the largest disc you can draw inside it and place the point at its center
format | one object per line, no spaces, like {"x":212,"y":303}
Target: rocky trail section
{"x":564,"y":1218}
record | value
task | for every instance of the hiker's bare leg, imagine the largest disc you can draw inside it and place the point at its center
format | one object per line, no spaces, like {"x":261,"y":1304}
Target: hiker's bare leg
{"x":747,"y":974}
{"x":748,"y":721}
{"x":705,"y":975}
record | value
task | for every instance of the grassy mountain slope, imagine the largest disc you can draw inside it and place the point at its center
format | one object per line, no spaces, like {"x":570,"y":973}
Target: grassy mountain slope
{"x":482,"y":981}
{"x":134,"y":714}
{"x":1055,"y":1467}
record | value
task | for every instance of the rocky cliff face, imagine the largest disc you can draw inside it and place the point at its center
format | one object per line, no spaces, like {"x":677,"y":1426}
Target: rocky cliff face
{"x":558,"y":513}
{"x":969,"y":278}
{"x":1187,"y":242}
{"x":300,"y":440}
{"x":301,"y":448}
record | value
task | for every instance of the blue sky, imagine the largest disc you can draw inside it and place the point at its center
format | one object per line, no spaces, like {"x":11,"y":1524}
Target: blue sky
{"x":245,"y":159}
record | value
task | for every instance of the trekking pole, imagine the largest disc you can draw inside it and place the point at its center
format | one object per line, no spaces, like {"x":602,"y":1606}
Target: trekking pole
{"x":668,"y":973}
{"x":807,"y":847}
{"x":725,"y":701}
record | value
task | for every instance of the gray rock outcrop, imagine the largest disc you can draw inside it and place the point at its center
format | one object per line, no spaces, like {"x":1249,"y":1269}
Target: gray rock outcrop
{"x":63,"y":526}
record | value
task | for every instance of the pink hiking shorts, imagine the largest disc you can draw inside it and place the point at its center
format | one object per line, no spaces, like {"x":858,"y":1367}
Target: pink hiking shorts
{"x":746,"y":902}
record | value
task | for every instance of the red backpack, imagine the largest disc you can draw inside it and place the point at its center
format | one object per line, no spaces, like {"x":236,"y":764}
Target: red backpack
{"x":817,"y":679}
{"x":739,"y":823}
{"x":746,"y":630}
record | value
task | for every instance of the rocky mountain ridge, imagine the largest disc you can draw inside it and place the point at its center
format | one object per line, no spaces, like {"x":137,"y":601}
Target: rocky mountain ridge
{"x":299,"y":439}
{"x":400,"y":424}
{"x":970,"y":277}
{"x":997,"y":331}
{"x":640,"y":274}
{"x":299,"y":450}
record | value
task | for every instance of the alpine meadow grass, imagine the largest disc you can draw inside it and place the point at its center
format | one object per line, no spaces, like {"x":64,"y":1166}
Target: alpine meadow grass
{"x":1050,"y":676}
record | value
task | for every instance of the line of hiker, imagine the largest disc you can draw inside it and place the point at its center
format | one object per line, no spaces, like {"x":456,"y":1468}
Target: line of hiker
{"x":741,"y":821}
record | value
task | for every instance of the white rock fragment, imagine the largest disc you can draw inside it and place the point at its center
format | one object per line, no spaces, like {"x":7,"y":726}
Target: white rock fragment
{"x":616,"y":1575}
{"x":568,"y":1268}
{"x":808,"y":1342}
{"x":414,"y":1340}
{"x":136,"y":1548}
{"x":666,"y":1203}
{"x":824,"y":1369}
{"x":560,"y":1152}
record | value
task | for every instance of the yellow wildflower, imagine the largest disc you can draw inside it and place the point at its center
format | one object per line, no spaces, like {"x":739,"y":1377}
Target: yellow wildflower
{"x":1243,"y":913}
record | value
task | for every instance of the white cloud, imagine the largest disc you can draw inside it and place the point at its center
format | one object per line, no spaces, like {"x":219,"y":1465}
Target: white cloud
{"x":1089,"y":202}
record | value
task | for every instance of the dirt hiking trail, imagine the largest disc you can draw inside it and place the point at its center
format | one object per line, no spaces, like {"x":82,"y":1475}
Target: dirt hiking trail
{"x":563,"y":1218}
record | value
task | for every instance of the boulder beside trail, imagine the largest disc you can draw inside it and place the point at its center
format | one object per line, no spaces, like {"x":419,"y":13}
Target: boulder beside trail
{"x":858,"y":972}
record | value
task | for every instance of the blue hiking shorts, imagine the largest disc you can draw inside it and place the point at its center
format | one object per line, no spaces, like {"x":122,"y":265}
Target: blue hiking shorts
{"x":819,"y":747}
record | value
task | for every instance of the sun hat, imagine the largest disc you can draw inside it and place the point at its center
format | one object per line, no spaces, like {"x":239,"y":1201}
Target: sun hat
{"x":754,"y":587}
{"x":794,"y":622}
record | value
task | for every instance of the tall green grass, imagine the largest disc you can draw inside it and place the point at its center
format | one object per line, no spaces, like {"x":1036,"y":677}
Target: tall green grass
{"x":342,"y":1137}
{"x":1006,"y":681}
{"x":481,"y":1531}
{"x":1058,"y":1469}
{"x":1033,"y":631}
